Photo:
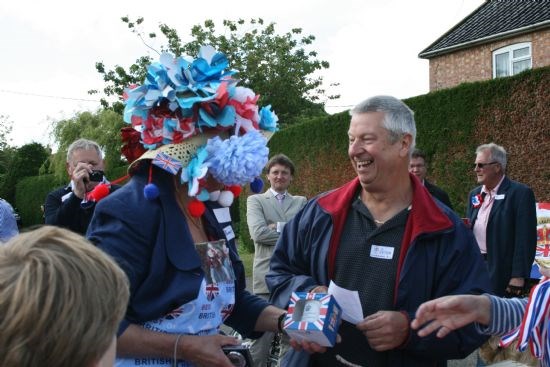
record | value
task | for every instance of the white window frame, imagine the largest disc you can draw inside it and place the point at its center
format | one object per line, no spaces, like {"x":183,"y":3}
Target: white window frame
{"x":511,"y":60}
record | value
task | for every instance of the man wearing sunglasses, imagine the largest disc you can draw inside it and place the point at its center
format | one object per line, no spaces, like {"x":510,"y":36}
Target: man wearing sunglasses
{"x":503,"y":217}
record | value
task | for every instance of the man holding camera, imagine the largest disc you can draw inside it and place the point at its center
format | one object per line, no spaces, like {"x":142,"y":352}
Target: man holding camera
{"x":69,"y":206}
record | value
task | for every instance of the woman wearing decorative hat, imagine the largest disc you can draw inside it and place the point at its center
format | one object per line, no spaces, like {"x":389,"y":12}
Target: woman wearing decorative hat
{"x":203,"y":137}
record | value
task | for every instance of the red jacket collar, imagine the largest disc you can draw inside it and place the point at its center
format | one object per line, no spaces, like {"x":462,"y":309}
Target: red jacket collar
{"x":425,"y":216}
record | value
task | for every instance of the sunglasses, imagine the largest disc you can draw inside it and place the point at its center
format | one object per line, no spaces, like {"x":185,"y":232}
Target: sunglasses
{"x":482,"y":165}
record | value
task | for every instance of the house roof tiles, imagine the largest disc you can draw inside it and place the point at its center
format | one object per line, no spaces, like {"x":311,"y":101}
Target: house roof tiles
{"x":493,"y":19}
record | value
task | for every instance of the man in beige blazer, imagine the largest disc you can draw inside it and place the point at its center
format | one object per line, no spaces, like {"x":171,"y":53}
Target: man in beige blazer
{"x":266,"y":216}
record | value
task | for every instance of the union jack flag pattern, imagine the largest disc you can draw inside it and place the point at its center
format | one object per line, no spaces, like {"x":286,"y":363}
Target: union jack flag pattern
{"x":167,"y":163}
{"x":226,"y":311}
{"x":174,"y":314}
{"x":212,"y":291}
{"x":543,"y":250}
{"x":533,"y":331}
{"x":323,"y":330}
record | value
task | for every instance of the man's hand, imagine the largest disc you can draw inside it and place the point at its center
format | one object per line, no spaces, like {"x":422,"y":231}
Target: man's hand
{"x":385,"y":330}
{"x":80,"y":177}
{"x":206,"y":350}
{"x":449,"y":313}
{"x":309,"y":347}
{"x":319,"y":289}
{"x":515,"y":287}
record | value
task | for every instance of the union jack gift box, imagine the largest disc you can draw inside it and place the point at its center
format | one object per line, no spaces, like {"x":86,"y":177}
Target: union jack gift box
{"x":314,"y":317}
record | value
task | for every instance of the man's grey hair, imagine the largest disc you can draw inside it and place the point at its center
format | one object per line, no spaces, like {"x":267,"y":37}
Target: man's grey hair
{"x":497,"y":152}
{"x":83,"y":144}
{"x":398,"y":117}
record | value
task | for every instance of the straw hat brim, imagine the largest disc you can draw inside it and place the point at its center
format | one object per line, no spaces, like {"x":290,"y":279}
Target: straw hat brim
{"x":185,"y":150}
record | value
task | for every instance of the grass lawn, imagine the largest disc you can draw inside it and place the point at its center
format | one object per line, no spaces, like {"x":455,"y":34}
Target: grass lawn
{"x":247,"y":258}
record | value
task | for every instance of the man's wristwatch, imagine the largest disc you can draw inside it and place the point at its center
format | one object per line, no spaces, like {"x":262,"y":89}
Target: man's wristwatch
{"x":280,"y":323}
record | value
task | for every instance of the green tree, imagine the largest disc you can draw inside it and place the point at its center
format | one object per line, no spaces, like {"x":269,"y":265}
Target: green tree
{"x":6,"y":157}
{"x":26,"y":161}
{"x":6,"y":126}
{"x":6,"y":151}
{"x":282,"y":68}
{"x":103,"y":127}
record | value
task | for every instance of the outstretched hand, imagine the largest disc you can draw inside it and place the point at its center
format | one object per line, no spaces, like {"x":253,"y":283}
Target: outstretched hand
{"x":449,"y":313}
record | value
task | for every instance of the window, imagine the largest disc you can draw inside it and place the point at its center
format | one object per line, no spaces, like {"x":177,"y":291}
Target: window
{"x":512,"y":60}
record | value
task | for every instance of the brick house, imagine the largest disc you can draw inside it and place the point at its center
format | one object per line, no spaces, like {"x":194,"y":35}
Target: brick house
{"x":499,"y":38}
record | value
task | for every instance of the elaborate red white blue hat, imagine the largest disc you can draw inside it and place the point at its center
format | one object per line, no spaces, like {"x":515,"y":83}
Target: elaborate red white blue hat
{"x":192,"y":119}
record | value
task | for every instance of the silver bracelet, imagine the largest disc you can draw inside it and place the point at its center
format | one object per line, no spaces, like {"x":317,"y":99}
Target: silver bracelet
{"x":176,"y":350}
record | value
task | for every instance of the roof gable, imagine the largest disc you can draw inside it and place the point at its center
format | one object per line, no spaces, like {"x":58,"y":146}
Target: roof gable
{"x":492,"y":20}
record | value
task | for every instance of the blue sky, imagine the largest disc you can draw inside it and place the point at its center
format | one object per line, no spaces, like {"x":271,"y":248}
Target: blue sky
{"x":50,"y":48}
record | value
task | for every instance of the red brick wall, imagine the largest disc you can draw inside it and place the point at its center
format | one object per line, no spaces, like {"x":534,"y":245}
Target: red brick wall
{"x":476,"y":63}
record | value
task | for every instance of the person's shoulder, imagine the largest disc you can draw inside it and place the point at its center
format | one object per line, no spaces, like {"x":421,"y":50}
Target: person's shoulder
{"x":296,"y":197}
{"x":5,"y":204}
{"x":58,"y":193}
{"x":60,"y":190}
{"x":433,"y":187}
{"x":129,"y":203}
{"x":517,"y":185}
{"x":126,"y":195}
{"x":115,"y":187}
{"x":338,"y":196}
{"x":255,"y":197}
{"x":475,"y":190}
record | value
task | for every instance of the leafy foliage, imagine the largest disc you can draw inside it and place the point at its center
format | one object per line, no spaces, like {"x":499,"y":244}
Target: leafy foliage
{"x":6,"y":152}
{"x":31,"y":193}
{"x":6,"y":126}
{"x":512,"y":112}
{"x":279,"y":67}
{"x":26,"y":161}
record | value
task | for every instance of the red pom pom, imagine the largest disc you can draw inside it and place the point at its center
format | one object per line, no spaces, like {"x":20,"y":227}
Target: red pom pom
{"x":235,"y":189}
{"x":99,"y":192}
{"x":196,"y":208}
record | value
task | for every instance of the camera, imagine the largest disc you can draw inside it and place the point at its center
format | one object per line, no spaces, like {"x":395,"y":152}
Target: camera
{"x":239,"y":355}
{"x":96,"y":176}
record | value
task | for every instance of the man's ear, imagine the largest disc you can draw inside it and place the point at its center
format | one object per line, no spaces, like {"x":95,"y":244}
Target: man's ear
{"x":68,"y":168}
{"x":405,"y":141}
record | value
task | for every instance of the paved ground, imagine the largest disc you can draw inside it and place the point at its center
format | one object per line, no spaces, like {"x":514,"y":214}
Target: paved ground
{"x":469,"y":361}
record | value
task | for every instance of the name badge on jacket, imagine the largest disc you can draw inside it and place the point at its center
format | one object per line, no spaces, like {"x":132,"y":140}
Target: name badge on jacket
{"x":381,"y":252}
{"x":229,"y":234}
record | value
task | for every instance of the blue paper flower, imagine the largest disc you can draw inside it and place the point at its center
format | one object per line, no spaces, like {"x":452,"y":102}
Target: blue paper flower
{"x":237,"y":160}
{"x":268,"y":119}
{"x":196,"y":170}
{"x":178,"y":85}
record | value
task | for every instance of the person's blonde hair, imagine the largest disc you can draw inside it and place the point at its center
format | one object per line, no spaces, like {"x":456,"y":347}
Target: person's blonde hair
{"x":61,"y":300}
